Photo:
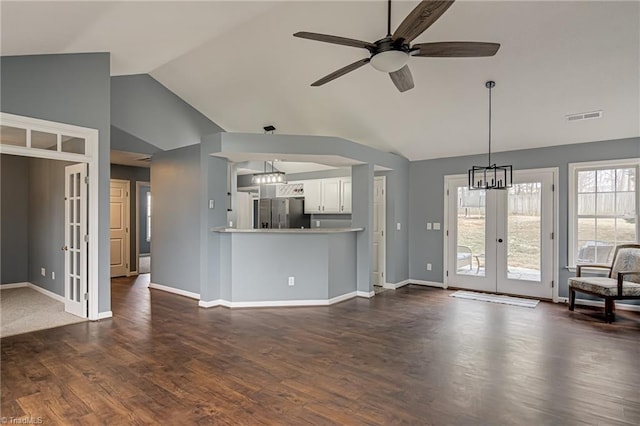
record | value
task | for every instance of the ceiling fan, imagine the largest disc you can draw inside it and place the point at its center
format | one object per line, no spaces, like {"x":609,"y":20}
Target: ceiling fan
{"x":391,"y":53}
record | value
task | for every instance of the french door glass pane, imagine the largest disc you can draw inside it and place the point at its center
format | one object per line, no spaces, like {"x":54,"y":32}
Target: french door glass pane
{"x":524,"y":245}
{"x":471,"y":220}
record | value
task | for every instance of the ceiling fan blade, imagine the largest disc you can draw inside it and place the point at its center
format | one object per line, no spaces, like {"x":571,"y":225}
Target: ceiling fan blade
{"x":341,"y":72}
{"x":402,"y":79}
{"x":335,"y":40}
{"x":421,"y":18}
{"x":455,"y":49}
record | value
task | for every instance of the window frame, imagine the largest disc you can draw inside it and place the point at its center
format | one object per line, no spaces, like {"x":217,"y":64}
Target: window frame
{"x":573,"y":170}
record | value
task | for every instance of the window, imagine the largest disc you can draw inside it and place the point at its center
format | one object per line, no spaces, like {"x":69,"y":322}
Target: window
{"x":148,"y":216}
{"x":603,"y":209}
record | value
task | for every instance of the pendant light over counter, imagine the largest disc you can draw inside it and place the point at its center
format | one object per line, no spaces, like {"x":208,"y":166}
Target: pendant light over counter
{"x":274,"y":177}
{"x":491,"y":176}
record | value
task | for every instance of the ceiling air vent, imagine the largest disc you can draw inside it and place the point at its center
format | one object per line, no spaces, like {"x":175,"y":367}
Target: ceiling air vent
{"x":584,"y":116}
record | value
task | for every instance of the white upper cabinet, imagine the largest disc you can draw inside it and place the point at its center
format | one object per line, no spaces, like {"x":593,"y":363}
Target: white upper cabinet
{"x":312,"y":196}
{"x":330,"y":195}
{"x":327,"y":196}
{"x":345,"y":195}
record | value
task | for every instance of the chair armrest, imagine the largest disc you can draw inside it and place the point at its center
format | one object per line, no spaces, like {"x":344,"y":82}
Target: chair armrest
{"x":590,"y":265}
{"x":621,"y":279}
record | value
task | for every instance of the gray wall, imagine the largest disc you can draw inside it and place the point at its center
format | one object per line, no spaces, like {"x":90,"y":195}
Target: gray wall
{"x":73,"y":89}
{"x":133,"y":175}
{"x":145,"y":109}
{"x":426,"y":195}
{"x":14,"y":209}
{"x":46,"y":223}
{"x":175,"y":179}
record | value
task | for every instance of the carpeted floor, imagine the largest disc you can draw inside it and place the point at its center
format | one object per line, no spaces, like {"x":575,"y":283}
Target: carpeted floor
{"x":23,"y":310}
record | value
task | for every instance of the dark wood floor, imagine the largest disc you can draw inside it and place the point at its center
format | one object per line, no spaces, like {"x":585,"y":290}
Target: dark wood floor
{"x":411,"y":356}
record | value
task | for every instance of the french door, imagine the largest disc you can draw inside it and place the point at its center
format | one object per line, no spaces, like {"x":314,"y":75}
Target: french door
{"x":75,"y":244}
{"x":502,"y":241}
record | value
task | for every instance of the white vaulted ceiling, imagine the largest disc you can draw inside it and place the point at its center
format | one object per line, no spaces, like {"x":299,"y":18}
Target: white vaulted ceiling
{"x":238,"y":64}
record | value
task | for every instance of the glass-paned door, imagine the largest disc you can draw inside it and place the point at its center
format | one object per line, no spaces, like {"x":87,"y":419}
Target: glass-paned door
{"x":501,"y":241}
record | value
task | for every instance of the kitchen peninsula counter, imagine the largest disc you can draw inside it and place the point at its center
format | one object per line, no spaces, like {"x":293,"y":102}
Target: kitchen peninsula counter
{"x":288,"y":230}
{"x":286,"y":267}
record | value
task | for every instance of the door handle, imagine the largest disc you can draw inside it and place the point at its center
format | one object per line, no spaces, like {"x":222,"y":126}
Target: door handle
{"x":499,"y":240}
{"x":64,"y":248}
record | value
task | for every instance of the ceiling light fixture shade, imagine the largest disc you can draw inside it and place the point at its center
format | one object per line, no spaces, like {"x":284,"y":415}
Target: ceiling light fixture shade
{"x":491,"y":176}
{"x":390,"y":61}
{"x":274,"y":177}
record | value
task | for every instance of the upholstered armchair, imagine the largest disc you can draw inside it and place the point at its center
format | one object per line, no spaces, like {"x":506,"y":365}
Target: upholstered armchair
{"x":621,"y":282}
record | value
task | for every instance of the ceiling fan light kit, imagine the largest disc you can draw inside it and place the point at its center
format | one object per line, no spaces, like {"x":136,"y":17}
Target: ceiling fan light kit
{"x":391,"y":53}
{"x":390,"y":61}
{"x":491,"y":176}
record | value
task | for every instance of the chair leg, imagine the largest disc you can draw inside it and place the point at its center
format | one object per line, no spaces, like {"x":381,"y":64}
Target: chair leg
{"x":609,"y":306}
{"x":572,"y":299}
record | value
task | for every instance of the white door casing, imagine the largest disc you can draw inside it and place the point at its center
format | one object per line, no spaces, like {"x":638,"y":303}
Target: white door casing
{"x":67,"y":133}
{"x":119,"y":227}
{"x":493,"y":246}
{"x":378,"y":255}
{"x":75,"y":244}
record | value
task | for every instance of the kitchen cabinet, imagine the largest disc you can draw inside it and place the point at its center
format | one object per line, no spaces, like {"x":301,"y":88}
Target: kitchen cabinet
{"x":327,"y":196}
{"x":312,"y":196}
{"x":345,"y":195}
{"x":330,"y":195}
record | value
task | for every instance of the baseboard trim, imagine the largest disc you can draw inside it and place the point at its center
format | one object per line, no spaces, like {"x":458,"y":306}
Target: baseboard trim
{"x":598,"y":303}
{"x":209,"y":303}
{"x":105,"y":315}
{"x":14,"y":285}
{"x":276,"y":303}
{"x":396,"y":285}
{"x":427,"y":283}
{"x":173,"y":290}
{"x":41,"y":290}
{"x":47,"y":292}
{"x":366,"y":294}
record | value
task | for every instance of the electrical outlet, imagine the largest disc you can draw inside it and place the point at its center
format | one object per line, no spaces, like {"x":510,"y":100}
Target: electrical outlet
{"x":317,"y":224}
{"x":292,"y":281}
{"x":428,"y":266}
{"x":428,"y":226}
{"x":230,"y":224}
{"x":43,"y":272}
{"x":53,"y":275}
{"x":398,"y":226}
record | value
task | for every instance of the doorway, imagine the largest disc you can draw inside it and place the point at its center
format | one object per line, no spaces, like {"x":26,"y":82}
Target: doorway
{"x":143,"y":221}
{"x":30,"y":137}
{"x":502,"y":241}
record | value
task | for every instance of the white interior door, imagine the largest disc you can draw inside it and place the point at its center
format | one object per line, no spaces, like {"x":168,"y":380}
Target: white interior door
{"x":378,"y":249}
{"x":75,"y":248}
{"x":119,"y":227}
{"x":502,"y":241}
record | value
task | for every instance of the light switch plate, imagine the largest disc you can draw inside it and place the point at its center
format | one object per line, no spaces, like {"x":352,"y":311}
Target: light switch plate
{"x":428,"y":226}
{"x":399,"y":226}
{"x":436,"y":226}
{"x":212,"y":204}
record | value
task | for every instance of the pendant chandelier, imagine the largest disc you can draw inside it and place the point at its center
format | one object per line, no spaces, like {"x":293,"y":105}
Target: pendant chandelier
{"x":491,"y":176}
{"x":274,"y":177}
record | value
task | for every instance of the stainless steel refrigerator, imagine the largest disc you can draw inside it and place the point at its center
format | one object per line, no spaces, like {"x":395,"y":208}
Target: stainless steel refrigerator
{"x":280,"y":213}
